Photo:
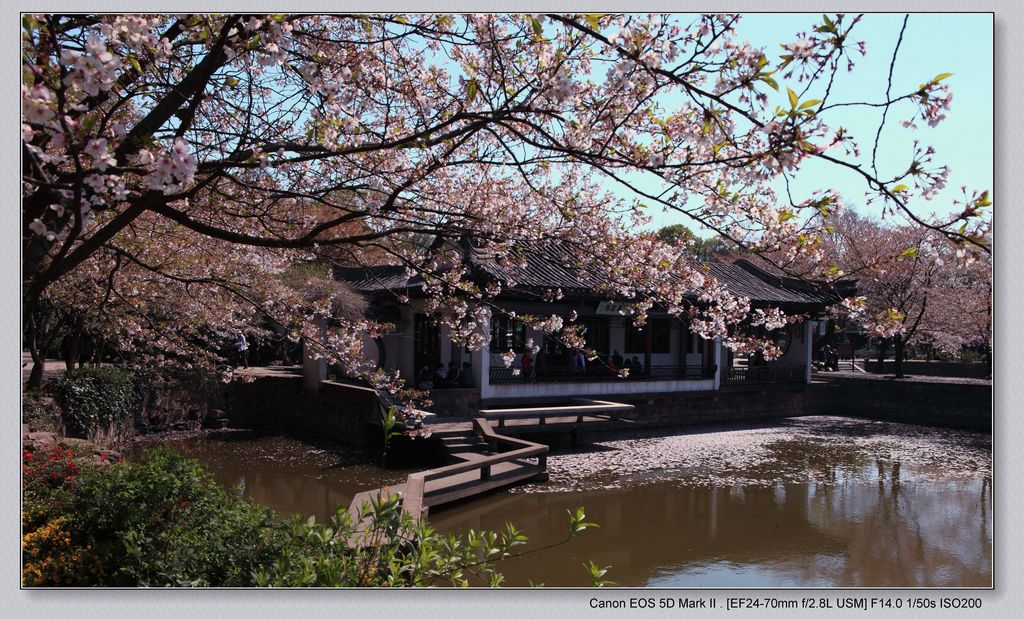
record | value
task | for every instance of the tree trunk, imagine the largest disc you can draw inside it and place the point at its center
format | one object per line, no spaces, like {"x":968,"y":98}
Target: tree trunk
{"x":647,"y":348}
{"x":883,"y":347}
{"x":72,"y":345}
{"x":71,"y":352}
{"x":38,"y":352}
{"x":898,"y":359}
{"x":35,"y":377}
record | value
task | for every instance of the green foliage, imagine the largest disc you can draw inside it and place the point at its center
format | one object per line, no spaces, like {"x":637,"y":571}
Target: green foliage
{"x":578,"y":523}
{"x":386,"y":549}
{"x":166,"y":522}
{"x":389,"y":423}
{"x":94,"y":397}
{"x":597,"y":574}
{"x":40,"y":412}
{"x":704,"y":249}
{"x":675,"y":232}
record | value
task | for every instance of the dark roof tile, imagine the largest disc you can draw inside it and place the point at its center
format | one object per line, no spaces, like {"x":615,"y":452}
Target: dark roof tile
{"x":550,"y":266}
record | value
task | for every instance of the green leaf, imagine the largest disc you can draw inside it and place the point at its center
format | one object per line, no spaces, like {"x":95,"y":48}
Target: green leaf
{"x":771,"y":82}
{"x":809,"y":103}
{"x":537,"y":28}
{"x":28,"y":24}
{"x":899,"y":188}
{"x":941,"y":76}
{"x":471,"y":90}
{"x":594,"y":20}
{"x":909,"y":252}
{"x":793,"y":98}
{"x":597,"y":574}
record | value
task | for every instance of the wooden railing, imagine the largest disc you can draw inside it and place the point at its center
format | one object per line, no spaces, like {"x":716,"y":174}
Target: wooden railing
{"x":415,"y":500}
{"x":583,"y":407}
{"x":594,"y":373}
{"x":763,"y":374}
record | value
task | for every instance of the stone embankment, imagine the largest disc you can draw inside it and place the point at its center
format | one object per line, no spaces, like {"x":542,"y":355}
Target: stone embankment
{"x":964,"y":403}
{"x":42,"y":441}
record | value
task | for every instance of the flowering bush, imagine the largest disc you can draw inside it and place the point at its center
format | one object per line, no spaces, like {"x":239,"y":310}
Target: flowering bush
{"x":50,"y":468}
{"x":49,"y":556}
{"x":162,"y":522}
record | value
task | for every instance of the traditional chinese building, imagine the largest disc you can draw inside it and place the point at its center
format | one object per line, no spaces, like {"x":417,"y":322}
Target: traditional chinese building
{"x":664,"y":357}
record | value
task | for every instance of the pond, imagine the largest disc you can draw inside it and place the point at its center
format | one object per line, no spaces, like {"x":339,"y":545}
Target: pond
{"x":803,"y":502}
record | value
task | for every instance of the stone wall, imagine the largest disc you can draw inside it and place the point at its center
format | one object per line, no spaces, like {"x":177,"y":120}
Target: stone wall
{"x":768,"y":402}
{"x":455,"y":402}
{"x":965,"y":405}
{"x":181,"y":400}
{"x":351,"y":414}
{"x":344,"y":413}
{"x":930,"y":368}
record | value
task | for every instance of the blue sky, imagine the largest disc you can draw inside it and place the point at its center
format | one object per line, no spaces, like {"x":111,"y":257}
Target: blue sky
{"x":933,"y":43}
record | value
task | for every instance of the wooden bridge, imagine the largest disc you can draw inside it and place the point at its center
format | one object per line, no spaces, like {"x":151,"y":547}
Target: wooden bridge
{"x":485,"y":460}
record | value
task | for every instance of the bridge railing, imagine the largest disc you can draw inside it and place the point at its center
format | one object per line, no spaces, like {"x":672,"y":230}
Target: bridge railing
{"x":414,"y":500}
{"x":597,"y":373}
{"x":763,"y":374}
{"x":584,"y":407}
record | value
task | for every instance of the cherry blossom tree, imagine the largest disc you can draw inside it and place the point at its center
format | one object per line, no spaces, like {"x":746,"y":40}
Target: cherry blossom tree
{"x":171,"y":154}
{"x":962,"y":307}
{"x":915,"y":285}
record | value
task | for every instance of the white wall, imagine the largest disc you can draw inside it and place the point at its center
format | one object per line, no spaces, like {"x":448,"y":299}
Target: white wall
{"x":797,"y":354}
{"x":314,"y":371}
{"x":481,"y":358}
{"x":598,"y":388}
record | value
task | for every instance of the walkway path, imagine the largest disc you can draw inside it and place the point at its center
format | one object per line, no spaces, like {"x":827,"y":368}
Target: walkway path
{"x":485,"y":461}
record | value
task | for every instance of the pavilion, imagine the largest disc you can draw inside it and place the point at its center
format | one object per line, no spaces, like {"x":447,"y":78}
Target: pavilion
{"x":664,"y":357}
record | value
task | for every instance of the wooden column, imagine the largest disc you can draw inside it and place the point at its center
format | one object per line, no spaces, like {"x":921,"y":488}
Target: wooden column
{"x":647,"y":346}
{"x":684,"y":346}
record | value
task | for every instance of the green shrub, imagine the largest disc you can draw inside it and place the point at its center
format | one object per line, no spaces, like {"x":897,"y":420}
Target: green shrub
{"x":166,"y":522}
{"x":40,"y":412}
{"x":95,"y":397}
{"x":386,"y":548}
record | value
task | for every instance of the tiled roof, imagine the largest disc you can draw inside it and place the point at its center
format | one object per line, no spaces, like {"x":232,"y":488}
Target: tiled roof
{"x":552,"y":266}
{"x":547,"y":266}
{"x":742,"y":278}
{"x":378,"y":278}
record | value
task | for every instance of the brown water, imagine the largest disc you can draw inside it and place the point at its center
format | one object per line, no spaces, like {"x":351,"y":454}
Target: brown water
{"x":808,"y":502}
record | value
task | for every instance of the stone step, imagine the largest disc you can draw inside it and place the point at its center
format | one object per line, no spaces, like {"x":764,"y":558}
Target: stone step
{"x":446,"y":433}
{"x":464,"y":447}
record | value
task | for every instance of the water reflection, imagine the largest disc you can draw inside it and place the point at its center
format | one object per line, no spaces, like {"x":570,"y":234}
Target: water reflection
{"x":845,"y":534}
{"x":285,"y":474}
{"x":806,"y":502}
